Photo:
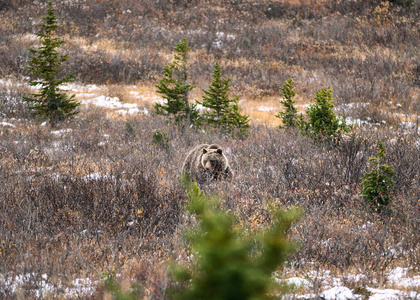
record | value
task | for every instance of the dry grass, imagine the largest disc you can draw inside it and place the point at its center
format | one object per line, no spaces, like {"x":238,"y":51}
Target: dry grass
{"x":98,"y":196}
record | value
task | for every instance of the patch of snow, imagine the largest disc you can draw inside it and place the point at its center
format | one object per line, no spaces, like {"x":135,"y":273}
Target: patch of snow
{"x":398,"y":276}
{"x":59,"y":132}
{"x":217,"y":44}
{"x":134,"y":93}
{"x":357,"y":122}
{"x":84,"y":286}
{"x":97,"y":176}
{"x":356,"y":277}
{"x":159,"y":100}
{"x":134,"y":110}
{"x":266,"y":109}
{"x":86,"y":95}
{"x":7,"y":124}
{"x":79,"y":88}
{"x":353,"y":105}
{"x":109,"y":102}
{"x":384,"y":294}
{"x":221,"y":35}
{"x":9,"y":82}
{"x":79,"y":286}
{"x":333,"y":287}
{"x":298,"y":282}
{"x":338,"y":293}
{"x":200,"y":107}
{"x":408,"y":125}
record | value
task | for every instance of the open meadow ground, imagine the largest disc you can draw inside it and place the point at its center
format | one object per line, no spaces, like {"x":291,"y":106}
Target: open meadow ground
{"x":94,"y":195}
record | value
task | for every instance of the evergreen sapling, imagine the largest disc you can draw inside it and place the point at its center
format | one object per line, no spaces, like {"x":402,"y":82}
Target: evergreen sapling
{"x":289,"y":116}
{"x":221,"y":111}
{"x":229,"y":263}
{"x":174,"y":87}
{"x":323,"y":122}
{"x":45,"y":63}
{"x":377,"y":185}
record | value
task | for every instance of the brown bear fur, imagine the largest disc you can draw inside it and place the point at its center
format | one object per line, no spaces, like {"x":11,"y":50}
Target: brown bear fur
{"x":207,"y":162}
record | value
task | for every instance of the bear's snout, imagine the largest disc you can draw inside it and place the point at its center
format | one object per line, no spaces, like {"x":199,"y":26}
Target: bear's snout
{"x":209,"y":166}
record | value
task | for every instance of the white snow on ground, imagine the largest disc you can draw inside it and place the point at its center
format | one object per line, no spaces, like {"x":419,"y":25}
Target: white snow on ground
{"x":222,"y":35}
{"x":385,"y":294}
{"x":97,"y":176}
{"x":398,"y":276}
{"x":408,"y":125}
{"x":115,"y":103}
{"x":334,"y":288}
{"x":296,"y":281}
{"x":160,"y":101}
{"x":353,"y":105}
{"x":42,"y":287}
{"x":200,"y":107}
{"x":338,"y":293}
{"x":7,"y":124}
{"x":266,"y":109}
{"x":134,"y":93}
{"x":357,"y":122}
{"x":89,"y":88}
{"x":134,"y":110}
{"x":9,"y":82}
{"x":109,"y":102}
{"x":86,"y":95}
{"x":59,"y":132}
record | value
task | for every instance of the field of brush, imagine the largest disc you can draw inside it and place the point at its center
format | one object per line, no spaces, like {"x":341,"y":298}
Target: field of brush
{"x":95,"y":195}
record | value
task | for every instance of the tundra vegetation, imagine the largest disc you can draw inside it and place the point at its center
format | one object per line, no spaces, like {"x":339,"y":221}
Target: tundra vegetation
{"x":94,"y":204}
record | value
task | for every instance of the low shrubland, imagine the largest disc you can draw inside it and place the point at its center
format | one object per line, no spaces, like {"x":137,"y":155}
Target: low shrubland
{"x":88,"y":197}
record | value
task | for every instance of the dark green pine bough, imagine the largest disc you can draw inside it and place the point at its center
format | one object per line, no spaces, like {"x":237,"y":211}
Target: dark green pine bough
{"x":51,"y":102}
{"x":230,"y":262}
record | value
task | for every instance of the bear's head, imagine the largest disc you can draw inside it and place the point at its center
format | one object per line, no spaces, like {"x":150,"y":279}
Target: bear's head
{"x":213,"y":160}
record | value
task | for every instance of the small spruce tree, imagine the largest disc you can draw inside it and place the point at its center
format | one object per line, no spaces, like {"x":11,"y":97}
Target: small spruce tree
{"x":228,"y":262}
{"x":51,"y":102}
{"x":377,"y":185}
{"x":289,"y":116}
{"x":238,"y":123}
{"x":174,"y":87}
{"x":222,"y":112}
{"x":323,"y":122}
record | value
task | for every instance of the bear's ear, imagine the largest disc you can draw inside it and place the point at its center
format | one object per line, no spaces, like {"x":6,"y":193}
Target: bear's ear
{"x":204,"y":150}
{"x":219,"y":151}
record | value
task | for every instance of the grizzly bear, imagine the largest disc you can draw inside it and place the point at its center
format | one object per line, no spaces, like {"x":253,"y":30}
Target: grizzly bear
{"x":207,"y":162}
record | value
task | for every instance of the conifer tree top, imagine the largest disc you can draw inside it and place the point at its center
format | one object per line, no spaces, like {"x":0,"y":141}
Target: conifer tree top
{"x":45,"y":63}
